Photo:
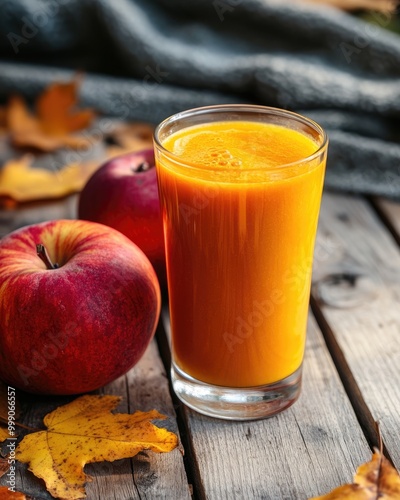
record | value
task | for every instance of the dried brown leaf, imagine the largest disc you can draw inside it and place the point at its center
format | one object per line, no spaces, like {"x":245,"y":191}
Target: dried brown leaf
{"x":4,"y":466}
{"x":55,"y":121}
{"x":6,"y":494}
{"x":56,"y":109}
{"x":3,"y":119}
{"x":132,"y":136}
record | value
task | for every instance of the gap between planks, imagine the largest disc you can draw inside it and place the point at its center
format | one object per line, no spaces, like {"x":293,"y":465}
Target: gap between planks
{"x":363,"y":414}
{"x":164,"y":350}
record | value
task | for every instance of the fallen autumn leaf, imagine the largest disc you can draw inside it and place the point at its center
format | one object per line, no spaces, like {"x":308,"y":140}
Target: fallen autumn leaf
{"x":6,"y":494}
{"x":55,"y":120}
{"x":3,"y":434}
{"x":86,"y":431}
{"x":373,"y":480}
{"x":4,"y":466}
{"x":21,"y":182}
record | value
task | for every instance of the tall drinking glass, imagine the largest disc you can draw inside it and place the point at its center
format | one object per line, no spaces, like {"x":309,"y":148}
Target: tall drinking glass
{"x":240,"y":190}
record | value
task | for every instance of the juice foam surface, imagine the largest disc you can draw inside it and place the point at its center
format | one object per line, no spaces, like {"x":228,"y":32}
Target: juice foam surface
{"x":240,"y":145}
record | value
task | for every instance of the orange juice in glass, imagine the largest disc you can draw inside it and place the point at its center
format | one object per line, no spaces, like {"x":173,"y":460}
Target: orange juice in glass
{"x":240,"y":190}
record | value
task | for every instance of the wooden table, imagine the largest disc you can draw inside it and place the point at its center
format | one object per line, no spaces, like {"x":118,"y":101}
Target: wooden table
{"x":351,"y":381}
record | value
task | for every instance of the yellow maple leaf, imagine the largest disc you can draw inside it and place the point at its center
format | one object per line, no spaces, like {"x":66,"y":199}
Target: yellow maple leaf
{"x":55,"y":119}
{"x":374,"y":479}
{"x":21,"y":182}
{"x":86,"y":431}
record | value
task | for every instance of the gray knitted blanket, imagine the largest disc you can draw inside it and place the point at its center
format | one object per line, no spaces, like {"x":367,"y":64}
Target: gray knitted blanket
{"x":146,"y":59}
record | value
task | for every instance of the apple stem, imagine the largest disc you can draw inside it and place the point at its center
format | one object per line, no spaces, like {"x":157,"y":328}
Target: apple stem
{"x":44,"y":256}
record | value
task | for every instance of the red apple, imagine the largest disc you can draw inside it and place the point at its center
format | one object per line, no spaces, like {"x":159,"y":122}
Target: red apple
{"x":123,"y":194}
{"x":80,"y":325}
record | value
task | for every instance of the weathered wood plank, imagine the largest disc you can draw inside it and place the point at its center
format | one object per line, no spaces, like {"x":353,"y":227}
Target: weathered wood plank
{"x":305,"y":451}
{"x":357,"y":288}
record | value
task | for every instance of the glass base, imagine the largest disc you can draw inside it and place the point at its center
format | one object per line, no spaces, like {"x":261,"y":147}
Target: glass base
{"x":243,"y":403}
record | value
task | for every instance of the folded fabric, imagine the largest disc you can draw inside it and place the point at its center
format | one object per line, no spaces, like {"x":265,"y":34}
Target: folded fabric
{"x":146,"y":60}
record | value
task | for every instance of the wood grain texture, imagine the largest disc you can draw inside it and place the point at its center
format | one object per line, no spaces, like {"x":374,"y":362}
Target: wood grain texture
{"x":357,"y":289}
{"x":305,"y":451}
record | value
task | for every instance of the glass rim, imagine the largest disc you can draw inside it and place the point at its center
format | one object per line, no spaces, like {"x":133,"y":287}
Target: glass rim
{"x":249,"y":108}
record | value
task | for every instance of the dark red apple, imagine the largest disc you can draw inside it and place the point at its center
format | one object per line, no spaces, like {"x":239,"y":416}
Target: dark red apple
{"x":77,"y":311}
{"x":123,"y":194}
